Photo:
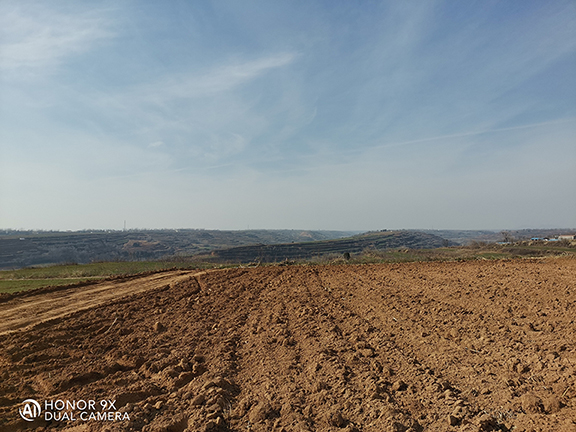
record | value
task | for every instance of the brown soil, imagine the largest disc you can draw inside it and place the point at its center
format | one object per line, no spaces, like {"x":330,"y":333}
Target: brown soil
{"x":33,"y":307}
{"x":473,"y":346}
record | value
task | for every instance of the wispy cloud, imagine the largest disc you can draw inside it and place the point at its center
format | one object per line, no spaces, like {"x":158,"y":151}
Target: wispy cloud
{"x":36,"y":39}
{"x":318,"y":113}
{"x":203,"y":114}
{"x":474,"y":133}
{"x":217,"y":79}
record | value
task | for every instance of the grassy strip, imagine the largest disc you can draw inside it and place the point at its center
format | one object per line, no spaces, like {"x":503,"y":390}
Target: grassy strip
{"x":100,"y":269}
{"x":12,"y":286}
{"x":58,"y":275}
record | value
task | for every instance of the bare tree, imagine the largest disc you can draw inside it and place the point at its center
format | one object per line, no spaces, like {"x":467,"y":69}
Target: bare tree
{"x":507,"y":237}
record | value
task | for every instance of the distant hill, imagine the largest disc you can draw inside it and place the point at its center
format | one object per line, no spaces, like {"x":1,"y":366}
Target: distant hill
{"x":33,"y":248}
{"x":464,"y":237}
{"x":381,"y":240}
{"x":30,"y":248}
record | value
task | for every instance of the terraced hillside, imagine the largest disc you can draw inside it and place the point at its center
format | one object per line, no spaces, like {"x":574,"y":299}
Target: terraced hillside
{"x":21,"y":249}
{"x":360,"y":243}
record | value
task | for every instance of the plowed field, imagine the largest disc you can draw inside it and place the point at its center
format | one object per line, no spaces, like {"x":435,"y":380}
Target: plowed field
{"x":470,"y":346}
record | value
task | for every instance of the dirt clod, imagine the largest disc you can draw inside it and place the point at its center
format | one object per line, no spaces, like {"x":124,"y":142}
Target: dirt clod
{"x":552,"y":404}
{"x":198,"y":400}
{"x":399,"y":385}
{"x":531,"y":403}
{"x":259,"y":412}
{"x":159,"y":327}
{"x":335,"y":419}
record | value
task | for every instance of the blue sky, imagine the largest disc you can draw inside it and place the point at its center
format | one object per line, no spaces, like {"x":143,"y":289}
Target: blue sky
{"x":288,"y":114}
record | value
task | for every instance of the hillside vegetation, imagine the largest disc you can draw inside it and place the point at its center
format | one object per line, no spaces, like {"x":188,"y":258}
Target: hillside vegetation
{"x":363,"y":243}
{"x":28,"y":248}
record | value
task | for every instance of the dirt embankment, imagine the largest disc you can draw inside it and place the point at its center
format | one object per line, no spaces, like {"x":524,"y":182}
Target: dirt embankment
{"x":476,"y":346}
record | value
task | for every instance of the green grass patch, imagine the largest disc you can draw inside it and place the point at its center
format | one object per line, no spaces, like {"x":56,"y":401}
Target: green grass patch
{"x":100,"y":269}
{"x":493,"y":255}
{"x":12,"y":286}
{"x":58,"y":275}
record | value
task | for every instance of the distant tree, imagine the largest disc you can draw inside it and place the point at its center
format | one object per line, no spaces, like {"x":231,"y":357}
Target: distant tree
{"x":507,"y":236}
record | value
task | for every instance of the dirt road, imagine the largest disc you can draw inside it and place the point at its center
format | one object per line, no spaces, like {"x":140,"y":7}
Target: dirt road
{"x":472,"y":346}
{"x":29,"y":310}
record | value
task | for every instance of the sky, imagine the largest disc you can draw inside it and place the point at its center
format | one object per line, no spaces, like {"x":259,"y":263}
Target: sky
{"x":339,"y":115}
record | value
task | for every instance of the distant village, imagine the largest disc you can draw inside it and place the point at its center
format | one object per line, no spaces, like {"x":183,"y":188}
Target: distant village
{"x":559,"y":238}
{"x":510,"y":239}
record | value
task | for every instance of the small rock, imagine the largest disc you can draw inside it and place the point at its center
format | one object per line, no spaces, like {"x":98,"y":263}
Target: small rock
{"x":335,"y":419}
{"x":521,"y":368}
{"x":199,"y":358}
{"x":159,"y":327}
{"x":366,"y":352}
{"x":399,"y":386}
{"x":452,"y":420}
{"x":198,"y":400}
{"x":158,"y":405}
{"x":183,"y":378}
